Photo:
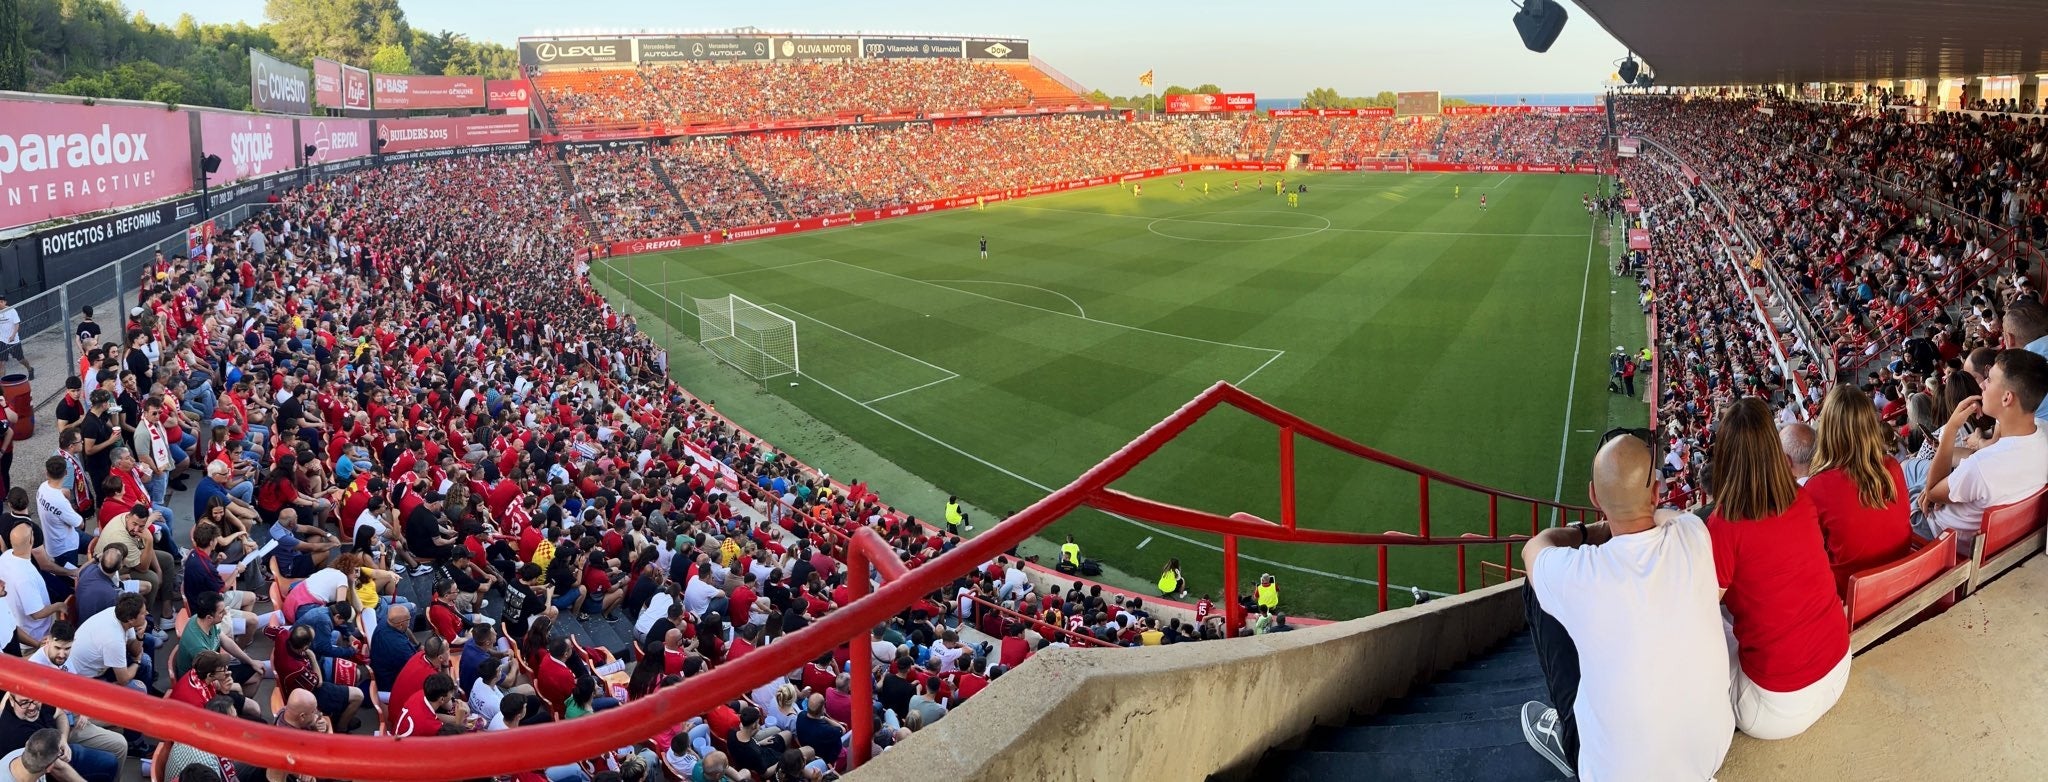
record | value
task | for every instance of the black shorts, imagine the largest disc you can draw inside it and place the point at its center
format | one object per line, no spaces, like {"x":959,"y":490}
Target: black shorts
{"x":333,"y":698}
{"x":11,"y":350}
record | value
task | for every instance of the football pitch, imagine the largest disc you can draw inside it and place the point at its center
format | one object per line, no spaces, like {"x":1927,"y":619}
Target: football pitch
{"x":1382,"y":307}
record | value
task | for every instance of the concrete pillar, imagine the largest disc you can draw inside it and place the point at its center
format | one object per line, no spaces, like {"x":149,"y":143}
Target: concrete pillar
{"x":2030,"y":90}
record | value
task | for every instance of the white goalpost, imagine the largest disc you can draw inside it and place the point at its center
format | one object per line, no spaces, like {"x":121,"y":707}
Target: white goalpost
{"x":748,"y":336}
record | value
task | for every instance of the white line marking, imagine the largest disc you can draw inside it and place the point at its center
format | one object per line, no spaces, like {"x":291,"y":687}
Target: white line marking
{"x":1070,"y":299}
{"x":1571,"y":391}
{"x":1345,"y":230}
{"x":1153,"y":227}
{"x":861,"y":338}
{"x":1148,"y":539}
{"x":1048,"y":489}
{"x":742,"y":271}
{"x":1503,"y":180}
{"x":1055,"y":312}
{"x":908,"y":390}
{"x":1248,"y":378}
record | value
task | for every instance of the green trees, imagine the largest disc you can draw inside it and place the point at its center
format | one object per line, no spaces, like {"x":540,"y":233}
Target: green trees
{"x":97,"y":48}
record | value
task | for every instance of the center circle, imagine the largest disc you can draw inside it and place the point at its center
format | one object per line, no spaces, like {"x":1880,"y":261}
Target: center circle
{"x":1218,"y":226}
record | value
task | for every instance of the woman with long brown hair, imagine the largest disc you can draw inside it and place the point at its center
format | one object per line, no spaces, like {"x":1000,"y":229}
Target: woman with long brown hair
{"x":1790,"y":635}
{"x":1858,"y":490}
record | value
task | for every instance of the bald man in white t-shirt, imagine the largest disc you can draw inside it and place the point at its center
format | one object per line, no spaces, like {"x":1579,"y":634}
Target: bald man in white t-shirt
{"x":1627,"y":626}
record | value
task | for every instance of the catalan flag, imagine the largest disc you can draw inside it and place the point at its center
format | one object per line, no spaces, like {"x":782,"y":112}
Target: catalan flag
{"x":1146,"y":79}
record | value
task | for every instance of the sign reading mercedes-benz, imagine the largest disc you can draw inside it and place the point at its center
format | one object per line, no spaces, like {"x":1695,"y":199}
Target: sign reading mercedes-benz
{"x":998,"y":50}
{"x":690,"y":49}
{"x":911,"y":48}
{"x":576,"y":51}
{"x":816,"y":48}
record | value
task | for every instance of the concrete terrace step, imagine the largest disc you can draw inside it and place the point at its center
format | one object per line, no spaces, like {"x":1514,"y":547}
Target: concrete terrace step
{"x":1466,"y":702}
{"x":1469,"y":734}
{"x":1443,"y":717}
{"x":1493,"y":764}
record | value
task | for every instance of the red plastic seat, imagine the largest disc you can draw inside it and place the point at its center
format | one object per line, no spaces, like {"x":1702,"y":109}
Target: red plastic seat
{"x":2011,"y":532}
{"x":1886,"y":598}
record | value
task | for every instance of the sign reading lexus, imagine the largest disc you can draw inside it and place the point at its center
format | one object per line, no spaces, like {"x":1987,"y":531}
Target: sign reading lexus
{"x":998,"y":50}
{"x":703,"y":49}
{"x":816,"y":48}
{"x":911,"y":48}
{"x":278,"y":86}
{"x":576,"y":51}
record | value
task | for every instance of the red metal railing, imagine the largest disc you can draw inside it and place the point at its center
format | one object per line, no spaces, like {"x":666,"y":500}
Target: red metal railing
{"x":487,"y":754}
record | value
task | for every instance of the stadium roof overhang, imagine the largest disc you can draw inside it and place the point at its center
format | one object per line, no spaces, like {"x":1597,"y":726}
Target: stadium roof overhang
{"x":1695,"y":43}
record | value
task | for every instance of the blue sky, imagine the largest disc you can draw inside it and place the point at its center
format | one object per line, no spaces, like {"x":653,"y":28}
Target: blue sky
{"x":1277,"y":48}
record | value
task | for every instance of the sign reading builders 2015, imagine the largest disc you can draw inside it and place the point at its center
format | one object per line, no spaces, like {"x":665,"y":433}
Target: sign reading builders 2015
{"x":58,"y":160}
{"x":409,"y":135}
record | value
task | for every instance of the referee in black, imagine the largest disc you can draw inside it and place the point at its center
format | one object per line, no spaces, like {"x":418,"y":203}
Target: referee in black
{"x":984,"y":247}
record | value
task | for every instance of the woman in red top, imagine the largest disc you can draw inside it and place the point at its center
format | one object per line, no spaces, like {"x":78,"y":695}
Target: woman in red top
{"x":1857,"y":489}
{"x":1790,"y":636}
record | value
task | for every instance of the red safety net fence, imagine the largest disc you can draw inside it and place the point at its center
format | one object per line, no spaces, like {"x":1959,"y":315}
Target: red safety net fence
{"x":475,"y":755}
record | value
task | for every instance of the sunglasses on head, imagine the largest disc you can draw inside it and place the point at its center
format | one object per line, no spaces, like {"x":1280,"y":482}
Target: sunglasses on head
{"x":1648,"y":437}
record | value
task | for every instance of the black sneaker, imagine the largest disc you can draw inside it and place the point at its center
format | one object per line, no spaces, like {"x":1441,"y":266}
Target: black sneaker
{"x":1539,"y":727}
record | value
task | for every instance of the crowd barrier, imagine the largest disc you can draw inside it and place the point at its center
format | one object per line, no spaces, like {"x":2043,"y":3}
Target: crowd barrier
{"x":786,"y":227}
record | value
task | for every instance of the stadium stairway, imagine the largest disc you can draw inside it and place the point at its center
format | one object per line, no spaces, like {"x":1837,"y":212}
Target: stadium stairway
{"x":1463,"y":725}
{"x":661,"y":174}
{"x":569,"y":186}
{"x":740,"y":164}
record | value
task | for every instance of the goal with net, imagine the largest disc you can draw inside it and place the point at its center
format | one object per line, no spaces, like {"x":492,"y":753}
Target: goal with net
{"x":748,"y":336}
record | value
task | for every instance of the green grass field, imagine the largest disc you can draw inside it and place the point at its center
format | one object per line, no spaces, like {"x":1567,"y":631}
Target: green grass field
{"x":1382,"y":308}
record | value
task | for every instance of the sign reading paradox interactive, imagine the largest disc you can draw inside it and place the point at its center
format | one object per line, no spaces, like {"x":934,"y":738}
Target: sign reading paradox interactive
{"x":576,"y":51}
{"x":1197,"y":102}
{"x":334,"y":139}
{"x":998,"y":50}
{"x":427,"y":92}
{"x":278,"y":86}
{"x":912,"y":48}
{"x":249,"y":145}
{"x":407,"y":135}
{"x":58,"y":159}
{"x":684,"y":49}
{"x":816,"y":48}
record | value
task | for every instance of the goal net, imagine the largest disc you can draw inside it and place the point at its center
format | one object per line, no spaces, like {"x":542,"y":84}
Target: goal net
{"x":748,"y":336}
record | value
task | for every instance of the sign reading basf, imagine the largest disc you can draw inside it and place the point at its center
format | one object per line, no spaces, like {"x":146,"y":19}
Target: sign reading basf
{"x":1195,"y":102}
{"x":816,"y":48}
{"x":408,"y":135}
{"x":912,"y":48}
{"x":278,"y":86}
{"x":703,"y":49}
{"x":334,"y":139}
{"x":427,"y":92}
{"x":998,"y":50}
{"x":249,"y":145}
{"x":58,"y":159}
{"x":576,"y":51}
{"x":514,"y":95}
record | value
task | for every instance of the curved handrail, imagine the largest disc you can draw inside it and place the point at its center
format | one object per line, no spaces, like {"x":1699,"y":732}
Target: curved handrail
{"x":484,"y":754}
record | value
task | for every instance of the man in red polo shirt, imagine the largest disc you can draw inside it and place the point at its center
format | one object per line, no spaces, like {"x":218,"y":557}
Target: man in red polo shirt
{"x":425,"y":712}
{"x":553,"y":680}
{"x":432,"y":658}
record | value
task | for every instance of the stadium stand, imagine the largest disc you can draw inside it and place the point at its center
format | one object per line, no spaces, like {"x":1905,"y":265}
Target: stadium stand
{"x":418,"y":374}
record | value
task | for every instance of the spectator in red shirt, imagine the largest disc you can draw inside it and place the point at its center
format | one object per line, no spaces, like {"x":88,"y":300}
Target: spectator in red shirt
{"x":1790,"y":635}
{"x":447,"y":622}
{"x":427,"y":711}
{"x":1858,"y":490}
{"x":552,"y":679}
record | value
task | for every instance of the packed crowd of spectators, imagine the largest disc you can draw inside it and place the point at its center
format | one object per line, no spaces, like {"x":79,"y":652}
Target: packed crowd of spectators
{"x":624,"y":198}
{"x":1413,"y":135}
{"x":805,"y":184}
{"x":709,"y":177}
{"x":729,"y":92}
{"x":1256,"y":139}
{"x":877,"y":163}
{"x":467,"y":461}
{"x":1357,"y":138}
{"x":1304,"y":134}
{"x":577,"y":98}
{"x":1207,"y":137}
